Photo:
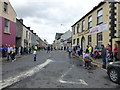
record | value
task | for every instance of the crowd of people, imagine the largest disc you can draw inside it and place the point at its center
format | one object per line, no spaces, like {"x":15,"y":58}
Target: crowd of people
{"x":105,"y":53}
{"x":10,"y":51}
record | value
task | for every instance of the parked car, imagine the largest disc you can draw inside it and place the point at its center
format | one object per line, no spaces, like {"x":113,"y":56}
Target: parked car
{"x":113,"y":71}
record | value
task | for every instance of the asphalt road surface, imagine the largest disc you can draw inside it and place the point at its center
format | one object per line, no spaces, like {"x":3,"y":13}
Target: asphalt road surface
{"x":52,"y":70}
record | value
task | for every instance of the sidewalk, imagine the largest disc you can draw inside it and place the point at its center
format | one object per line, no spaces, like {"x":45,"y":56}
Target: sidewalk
{"x":5,"y":58}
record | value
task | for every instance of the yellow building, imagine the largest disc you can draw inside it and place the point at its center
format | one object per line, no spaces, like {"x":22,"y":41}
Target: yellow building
{"x":99,"y":26}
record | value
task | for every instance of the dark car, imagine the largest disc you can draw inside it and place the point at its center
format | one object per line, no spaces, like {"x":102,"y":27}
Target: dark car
{"x":113,"y":71}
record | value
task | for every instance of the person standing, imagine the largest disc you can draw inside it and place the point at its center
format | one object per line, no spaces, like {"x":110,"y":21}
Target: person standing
{"x":19,"y":51}
{"x":115,"y":52}
{"x":90,"y":50}
{"x":9,"y":49}
{"x":69,"y":51}
{"x":35,"y":56}
{"x":13,"y":54}
{"x":103,"y":55}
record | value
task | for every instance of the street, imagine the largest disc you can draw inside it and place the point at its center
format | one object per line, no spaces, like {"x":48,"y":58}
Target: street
{"x":52,"y":70}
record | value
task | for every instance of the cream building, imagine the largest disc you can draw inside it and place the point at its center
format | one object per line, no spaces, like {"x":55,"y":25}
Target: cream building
{"x":99,"y":26}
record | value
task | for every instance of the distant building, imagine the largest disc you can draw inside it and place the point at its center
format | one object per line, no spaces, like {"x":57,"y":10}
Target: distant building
{"x":57,"y":43}
{"x":7,"y":23}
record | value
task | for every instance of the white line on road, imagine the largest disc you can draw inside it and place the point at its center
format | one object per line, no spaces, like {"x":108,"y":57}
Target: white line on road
{"x":80,"y":81}
{"x":32,"y":71}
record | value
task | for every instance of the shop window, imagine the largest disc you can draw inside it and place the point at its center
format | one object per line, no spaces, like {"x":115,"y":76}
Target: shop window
{"x":83,"y":25}
{"x":99,"y":39}
{"x":5,"y":7}
{"x":89,"y":22}
{"x":99,"y":16}
{"x":78,"y":26}
{"x":89,"y":40}
{"x":7,"y":26}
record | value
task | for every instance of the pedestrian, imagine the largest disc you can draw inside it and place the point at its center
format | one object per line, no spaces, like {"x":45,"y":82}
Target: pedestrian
{"x":103,"y":55}
{"x":9,"y":49}
{"x":69,"y":51}
{"x":116,"y":52}
{"x":35,"y":56}
{"x":4,"y":50}
{"x":48,"y":49}
{"x":19,"y":51}
{"x":13,"y":52}
{"x":87,"y":51}
{"x":90,"y":50}
{"x":87,"y":61}
{"x":78,"y":50}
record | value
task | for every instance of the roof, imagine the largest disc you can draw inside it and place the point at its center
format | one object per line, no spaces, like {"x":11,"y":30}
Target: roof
{"x":96,"y":7}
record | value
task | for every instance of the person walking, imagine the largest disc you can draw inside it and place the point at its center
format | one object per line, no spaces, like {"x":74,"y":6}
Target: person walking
{"x":13,"y":54}
{"x":103,"y":55}
{"x":69,"y":51}
{"x":116,"y":52}
{"x":9,"y":49}
{"x":35,"y":55}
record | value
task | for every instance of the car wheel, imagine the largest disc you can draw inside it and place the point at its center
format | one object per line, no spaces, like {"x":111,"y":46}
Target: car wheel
{"x":114,"y":75}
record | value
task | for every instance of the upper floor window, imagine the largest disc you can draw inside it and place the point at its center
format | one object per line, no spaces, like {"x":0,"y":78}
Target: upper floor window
{"x":83,"y":25}
{"x":89,"y":22}
{"x":5,"y":7}
{"x":74,"y":30}
{"x":99,"y":16}
{"x":7,"y":26}
{"x":26,"y":34}
{"x":78,"y":26}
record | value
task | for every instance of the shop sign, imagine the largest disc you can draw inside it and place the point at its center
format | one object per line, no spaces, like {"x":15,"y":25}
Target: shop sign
{"x":99,"y":28}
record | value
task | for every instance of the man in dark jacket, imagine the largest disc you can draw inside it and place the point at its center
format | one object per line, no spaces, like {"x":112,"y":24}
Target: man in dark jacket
{"x":103,"y":55}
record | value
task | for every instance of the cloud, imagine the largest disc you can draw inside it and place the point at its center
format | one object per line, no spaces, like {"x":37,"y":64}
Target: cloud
{"x":46,"y":16}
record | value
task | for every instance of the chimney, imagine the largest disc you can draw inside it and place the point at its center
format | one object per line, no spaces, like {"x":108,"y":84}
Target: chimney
{"x":21,"y":20}
{"x":28,"y":28}
{"x":32,"y":31}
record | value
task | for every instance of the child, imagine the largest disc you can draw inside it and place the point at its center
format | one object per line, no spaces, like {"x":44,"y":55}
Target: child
{"x":34,"y":55}
{"x":87,"y":60}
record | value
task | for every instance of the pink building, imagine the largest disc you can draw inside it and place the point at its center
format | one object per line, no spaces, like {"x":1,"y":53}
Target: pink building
{"x":7,"y":23}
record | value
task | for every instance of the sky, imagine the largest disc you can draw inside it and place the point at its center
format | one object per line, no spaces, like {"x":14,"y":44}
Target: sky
{"x":48,"y":17}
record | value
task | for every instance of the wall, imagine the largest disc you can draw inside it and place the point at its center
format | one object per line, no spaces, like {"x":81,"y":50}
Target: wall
{"x":11,"y":14}
{"x":0,"y":31}
{"x":9,"y":38}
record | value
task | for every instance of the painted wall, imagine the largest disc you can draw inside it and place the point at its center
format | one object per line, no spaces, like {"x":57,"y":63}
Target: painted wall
{"x":0,"y":31}
{"x":9,"y":38}
{"x":105,"y":8}
{"x":10,"y":14}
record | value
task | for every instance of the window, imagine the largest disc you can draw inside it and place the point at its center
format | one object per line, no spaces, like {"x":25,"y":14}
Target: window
{"x":29,"y":35}
{"x":74,"y":30}
{"x":99,"y":16}
{"x":99,"y":39}
{"x":77,"y":41}
{"x":74,"y":41}
{"x":7,"y":26}
{"x":5,"y":7}
{"x":78,"y":28}
{"x":83,"y":25}
{"x":89,"y":22}
{"x":89,"y":40}
{"x":26,"y":34}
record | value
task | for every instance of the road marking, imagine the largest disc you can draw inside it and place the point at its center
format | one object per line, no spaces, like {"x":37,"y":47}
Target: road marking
{"x":32,"y":71}
{"x":80,"y":81}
